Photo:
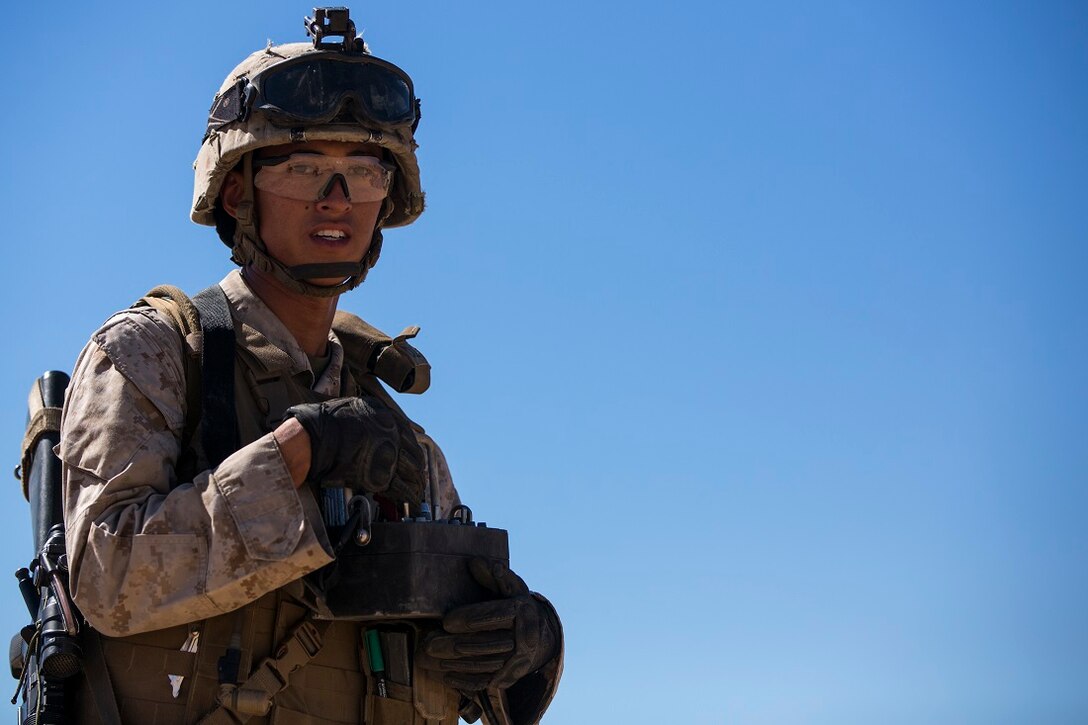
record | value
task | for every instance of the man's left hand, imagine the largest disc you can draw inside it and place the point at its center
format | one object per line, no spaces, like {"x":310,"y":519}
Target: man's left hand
{"x":493,"y":644}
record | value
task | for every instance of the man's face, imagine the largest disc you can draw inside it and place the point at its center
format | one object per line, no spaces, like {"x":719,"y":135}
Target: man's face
{"x":332,"y":229}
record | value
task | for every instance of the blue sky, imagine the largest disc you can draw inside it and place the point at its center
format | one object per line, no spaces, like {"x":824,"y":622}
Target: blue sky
{"x":761,"y":327}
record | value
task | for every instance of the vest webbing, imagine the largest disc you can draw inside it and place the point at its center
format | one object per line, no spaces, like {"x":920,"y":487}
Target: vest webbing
{"x":218,"y":418}
{"x":238,"y":703}
{"x":207,"y":327}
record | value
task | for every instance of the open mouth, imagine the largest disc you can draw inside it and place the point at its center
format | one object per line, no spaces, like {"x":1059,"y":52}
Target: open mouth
{"x":330,"y":236}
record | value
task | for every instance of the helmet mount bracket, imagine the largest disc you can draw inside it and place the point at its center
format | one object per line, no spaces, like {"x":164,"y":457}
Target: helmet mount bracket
{"x":334,"y":22}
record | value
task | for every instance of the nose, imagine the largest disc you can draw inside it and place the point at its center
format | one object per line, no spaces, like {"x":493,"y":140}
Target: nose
{"x":335,"y":198}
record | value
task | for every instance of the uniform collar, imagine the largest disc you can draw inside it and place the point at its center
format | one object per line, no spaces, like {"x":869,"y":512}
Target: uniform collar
{"x":265,"y":336}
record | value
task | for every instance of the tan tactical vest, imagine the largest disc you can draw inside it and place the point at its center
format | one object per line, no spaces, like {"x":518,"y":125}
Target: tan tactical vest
{"x":334,"y":686}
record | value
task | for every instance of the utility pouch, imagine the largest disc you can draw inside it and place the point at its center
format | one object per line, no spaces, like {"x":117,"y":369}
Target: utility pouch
{"x":400,"y":693}
{"x":392,"y":359}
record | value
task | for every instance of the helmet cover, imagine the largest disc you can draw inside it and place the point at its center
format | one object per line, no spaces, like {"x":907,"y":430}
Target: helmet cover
{"x":224,"y":147}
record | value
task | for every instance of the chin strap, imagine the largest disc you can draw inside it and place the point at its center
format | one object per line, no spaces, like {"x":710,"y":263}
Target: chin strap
{"x":249,"y":249}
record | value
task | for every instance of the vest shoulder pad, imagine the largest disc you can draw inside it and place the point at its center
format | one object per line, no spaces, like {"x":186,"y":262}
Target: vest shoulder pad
{"x":179,"y":308}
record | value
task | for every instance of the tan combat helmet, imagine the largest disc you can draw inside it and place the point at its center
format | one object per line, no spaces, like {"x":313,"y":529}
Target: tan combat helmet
{"x":319,"y":91}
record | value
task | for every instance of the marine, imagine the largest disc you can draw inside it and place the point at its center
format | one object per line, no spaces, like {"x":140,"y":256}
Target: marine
{"x":194,"y":545}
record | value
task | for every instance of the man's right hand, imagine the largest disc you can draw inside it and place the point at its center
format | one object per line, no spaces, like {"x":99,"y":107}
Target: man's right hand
{"x":361,"y":443}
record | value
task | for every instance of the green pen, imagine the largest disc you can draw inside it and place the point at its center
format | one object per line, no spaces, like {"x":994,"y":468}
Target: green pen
{"x":377,"y":664}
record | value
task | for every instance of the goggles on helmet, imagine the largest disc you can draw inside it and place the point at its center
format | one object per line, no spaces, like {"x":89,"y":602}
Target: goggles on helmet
{"x":315,"y":88}
{"x":309,"y":177}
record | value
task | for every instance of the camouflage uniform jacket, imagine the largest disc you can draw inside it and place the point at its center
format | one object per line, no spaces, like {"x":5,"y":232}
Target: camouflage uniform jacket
{"x":147,"y":551}
{"x":155,"y":560}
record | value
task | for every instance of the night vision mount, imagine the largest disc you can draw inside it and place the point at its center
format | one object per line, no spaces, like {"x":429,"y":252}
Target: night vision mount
{"x":333,"y":22}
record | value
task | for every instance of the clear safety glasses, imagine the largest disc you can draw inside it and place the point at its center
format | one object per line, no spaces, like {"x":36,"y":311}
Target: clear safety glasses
{"x":315,"y":88}
{"x":309,"y":177}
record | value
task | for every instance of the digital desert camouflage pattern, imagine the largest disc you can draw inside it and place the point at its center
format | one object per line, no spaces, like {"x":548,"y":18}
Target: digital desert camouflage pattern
{"x":148,"y":552}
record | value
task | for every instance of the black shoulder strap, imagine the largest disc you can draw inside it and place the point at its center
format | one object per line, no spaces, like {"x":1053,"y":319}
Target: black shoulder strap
{"x":218,"y":416}
{"x":99,"y":683}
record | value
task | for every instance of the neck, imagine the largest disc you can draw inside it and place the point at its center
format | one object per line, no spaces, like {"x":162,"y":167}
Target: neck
{"x":307,"y":318}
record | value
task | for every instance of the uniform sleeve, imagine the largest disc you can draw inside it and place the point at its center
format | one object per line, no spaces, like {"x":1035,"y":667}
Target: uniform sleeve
{"x":145,"y":551}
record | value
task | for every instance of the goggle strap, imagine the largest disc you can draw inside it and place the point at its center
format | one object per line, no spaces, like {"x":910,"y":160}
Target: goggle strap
{"x":228,"y":107}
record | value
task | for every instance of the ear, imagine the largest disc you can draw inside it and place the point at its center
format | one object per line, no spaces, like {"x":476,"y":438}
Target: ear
{"x":230,"y":195}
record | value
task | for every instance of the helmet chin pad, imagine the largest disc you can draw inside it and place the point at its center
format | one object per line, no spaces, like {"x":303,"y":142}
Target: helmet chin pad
{"x":326,"y":269}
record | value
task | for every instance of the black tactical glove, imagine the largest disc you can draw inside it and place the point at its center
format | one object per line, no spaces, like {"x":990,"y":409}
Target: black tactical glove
{"x":360,"y":442}
{"x":491,"y":645}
